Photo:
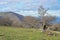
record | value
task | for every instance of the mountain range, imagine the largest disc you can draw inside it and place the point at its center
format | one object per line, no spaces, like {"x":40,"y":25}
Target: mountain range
{"x":18,"y":18}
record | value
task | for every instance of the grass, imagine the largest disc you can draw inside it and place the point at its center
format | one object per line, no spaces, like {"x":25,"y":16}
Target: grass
{"x":11,"y":33}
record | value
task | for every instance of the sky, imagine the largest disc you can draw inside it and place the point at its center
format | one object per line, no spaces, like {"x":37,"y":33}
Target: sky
{"x":30,"y":7}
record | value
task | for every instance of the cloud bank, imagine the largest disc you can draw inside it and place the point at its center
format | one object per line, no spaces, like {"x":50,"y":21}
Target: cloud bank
{"x":3,"y":3}
{"x":30,"y":6}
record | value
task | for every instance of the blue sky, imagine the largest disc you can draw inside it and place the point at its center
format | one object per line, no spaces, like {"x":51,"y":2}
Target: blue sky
{"x":30,"y":7}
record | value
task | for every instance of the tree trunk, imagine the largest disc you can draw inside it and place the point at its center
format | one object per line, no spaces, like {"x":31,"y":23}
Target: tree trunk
{"x":44,"y":27}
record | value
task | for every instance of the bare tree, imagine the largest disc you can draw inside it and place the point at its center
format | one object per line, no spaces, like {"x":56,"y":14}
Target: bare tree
{"x":45,"y":19}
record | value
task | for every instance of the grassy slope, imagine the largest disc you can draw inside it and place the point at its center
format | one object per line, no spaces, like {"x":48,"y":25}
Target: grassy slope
{"x":9,"y":33}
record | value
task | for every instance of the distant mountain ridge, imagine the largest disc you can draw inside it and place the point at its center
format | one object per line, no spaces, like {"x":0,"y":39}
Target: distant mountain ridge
{"x":25,"y":21}
{"x":15,"y":18}
{"x":57,"y":19}
{"x":21,"y":17}
{"x":12,"y":13}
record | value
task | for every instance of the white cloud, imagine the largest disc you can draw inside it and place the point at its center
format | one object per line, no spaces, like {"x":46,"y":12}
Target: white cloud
{"x":5,"y":9}
{"x":29,"y":13}
{"x":3,"y":2}
{"x":54,"y":12}
{"x":37,"y":3}
{"x":12,"y":0}
{"x":35,"y":13}
{"x":32,"y":3}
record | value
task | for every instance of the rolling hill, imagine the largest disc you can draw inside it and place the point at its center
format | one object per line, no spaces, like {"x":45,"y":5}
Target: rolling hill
{"x":11,"y":14}
{"x":16,"y":18}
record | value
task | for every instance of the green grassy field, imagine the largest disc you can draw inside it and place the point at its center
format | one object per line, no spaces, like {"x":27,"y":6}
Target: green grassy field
{"x":10,"y":33}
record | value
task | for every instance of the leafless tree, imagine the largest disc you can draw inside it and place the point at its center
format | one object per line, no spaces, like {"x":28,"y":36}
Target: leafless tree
{"x":45,"y":19}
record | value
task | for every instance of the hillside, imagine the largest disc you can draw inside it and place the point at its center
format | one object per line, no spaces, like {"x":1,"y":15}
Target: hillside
{"x":11,"y":33}
{"x":14,"y":17}
{"x":11,"y":14}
